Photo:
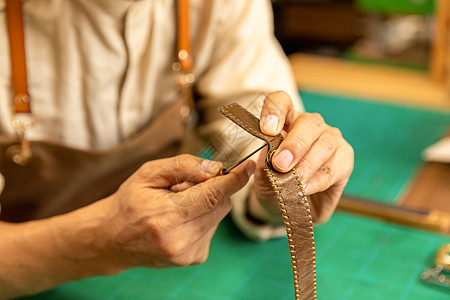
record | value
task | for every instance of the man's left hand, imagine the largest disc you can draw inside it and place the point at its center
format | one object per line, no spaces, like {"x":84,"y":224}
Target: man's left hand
{"x":322,"y":157}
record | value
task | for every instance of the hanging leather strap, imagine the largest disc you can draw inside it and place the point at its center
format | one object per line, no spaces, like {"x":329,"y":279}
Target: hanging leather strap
{"x":184,"y":45}
{"x":293,"y":203}
{"x":14,"y":17}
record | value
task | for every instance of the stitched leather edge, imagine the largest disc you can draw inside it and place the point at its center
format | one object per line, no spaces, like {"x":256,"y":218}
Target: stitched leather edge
{"x":233,"y":111}
{"x":300,"y":292}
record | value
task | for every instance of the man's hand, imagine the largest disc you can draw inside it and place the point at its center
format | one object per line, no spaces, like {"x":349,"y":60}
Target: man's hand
{"x":167,"y":212}
{"x":164,"y":215}
{"x":319,"y":153}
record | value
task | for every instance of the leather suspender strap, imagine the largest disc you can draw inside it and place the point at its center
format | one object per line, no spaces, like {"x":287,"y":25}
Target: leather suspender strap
{"x":184,"y":46}
{"x":14,"y":18}
{"x":293,"y":203}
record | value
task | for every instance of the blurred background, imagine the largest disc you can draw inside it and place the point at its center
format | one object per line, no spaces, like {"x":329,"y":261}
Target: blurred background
{"x":379,"y":70}
{"x":405,"y":34}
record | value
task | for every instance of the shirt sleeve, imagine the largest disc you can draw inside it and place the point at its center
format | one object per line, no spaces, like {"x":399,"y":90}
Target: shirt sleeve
{"x":247,"y":63}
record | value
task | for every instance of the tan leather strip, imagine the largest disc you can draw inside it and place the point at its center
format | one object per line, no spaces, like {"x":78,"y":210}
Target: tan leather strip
{"x":293,"y":204}
{"x":184,"y":45}
{"x":14,"y":17}
{"x":244,"y":119}
{"x":299,"y":229}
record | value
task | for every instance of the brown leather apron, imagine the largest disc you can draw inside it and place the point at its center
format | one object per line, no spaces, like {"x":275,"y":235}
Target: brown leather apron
{"x":56,"y":179}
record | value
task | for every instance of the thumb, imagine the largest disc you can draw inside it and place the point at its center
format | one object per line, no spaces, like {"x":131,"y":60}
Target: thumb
{"x":171,"y":171}
{"x":207,"y":195}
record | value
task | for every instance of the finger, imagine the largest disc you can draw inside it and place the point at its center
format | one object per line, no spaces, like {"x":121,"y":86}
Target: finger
{"x":197,"y":251}
{"x":206,"y":196}
{"x":192,"y":246}
{"x":307,"y":128}
{"x":204,"y":223}
{"x":276,"y":111}
{"x":181,"y":186}
{"x":262,"y":185}
{"x":203,"y":246}
{"x":320,"y":152}
{"x":178,"y":169}
{"x":336,"y":170}
{"x":323,"y":204}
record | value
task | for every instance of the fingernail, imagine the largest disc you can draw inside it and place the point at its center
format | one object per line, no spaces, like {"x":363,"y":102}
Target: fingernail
{"x":270,"y":123}
{"x":211,"y":167}
{"x":283,"y":159}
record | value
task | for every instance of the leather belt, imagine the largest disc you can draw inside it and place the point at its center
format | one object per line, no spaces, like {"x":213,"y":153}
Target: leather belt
{"x":293,"y":204}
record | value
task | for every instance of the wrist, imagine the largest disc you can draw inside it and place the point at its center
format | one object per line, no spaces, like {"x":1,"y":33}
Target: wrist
{"x":41,"y":254}
{"x":83,"y":237}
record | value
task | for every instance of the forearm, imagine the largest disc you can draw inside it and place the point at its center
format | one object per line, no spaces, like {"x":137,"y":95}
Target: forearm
{"x":38,"y":255}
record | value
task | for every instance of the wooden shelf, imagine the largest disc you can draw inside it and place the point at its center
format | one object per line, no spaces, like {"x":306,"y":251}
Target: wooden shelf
{"x":383,"y":83}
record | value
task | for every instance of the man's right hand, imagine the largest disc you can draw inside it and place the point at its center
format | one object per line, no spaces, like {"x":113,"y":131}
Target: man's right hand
{"x":166,"y":213}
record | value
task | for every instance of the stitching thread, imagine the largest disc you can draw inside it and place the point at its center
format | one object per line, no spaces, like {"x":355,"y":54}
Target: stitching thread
{"x":294,"y":261}
{"x":239,"y":121}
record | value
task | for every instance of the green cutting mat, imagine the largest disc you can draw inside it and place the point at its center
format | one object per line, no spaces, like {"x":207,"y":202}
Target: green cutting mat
{"x":356,"y":259}
{"x":388,"y":140}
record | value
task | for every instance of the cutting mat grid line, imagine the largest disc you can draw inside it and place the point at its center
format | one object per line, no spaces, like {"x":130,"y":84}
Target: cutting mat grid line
{"x":417,"y":269}
{"x":363,"y":269}
{"x":180,"y":287}
{"x":250,"y":273}
{"x":124,"y":286}
{"x":371,"y":274}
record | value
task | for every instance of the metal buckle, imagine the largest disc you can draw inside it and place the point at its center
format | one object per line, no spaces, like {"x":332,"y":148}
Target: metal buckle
{"x":185,"y":80}
{"x":21,"y":153}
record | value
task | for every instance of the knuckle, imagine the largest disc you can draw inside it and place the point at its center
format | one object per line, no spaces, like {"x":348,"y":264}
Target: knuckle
{"x":336,"y":131}
{"x":298,"y":142}
{"x":316,"y":119}
{"x":350,"y":150}
{"x":202,"y":259}
{"x":155,"y":228}
{"x":277,"y":100}
{"x":180,"y":162}
{"x":277,"y":96}
{"x":279,"y":93}
{"x":307,"y":164}
{"x":211,"y":197}
{"x":174,"y":251}
{"x":187,"y":157}
{"x":329,"y":174}
{"x":351,"y":160}
{"x":146,"y":169}
{"x":327,"y":143}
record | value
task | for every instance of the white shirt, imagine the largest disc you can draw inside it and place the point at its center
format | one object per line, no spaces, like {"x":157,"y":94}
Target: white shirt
{"x":98,"y":70}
